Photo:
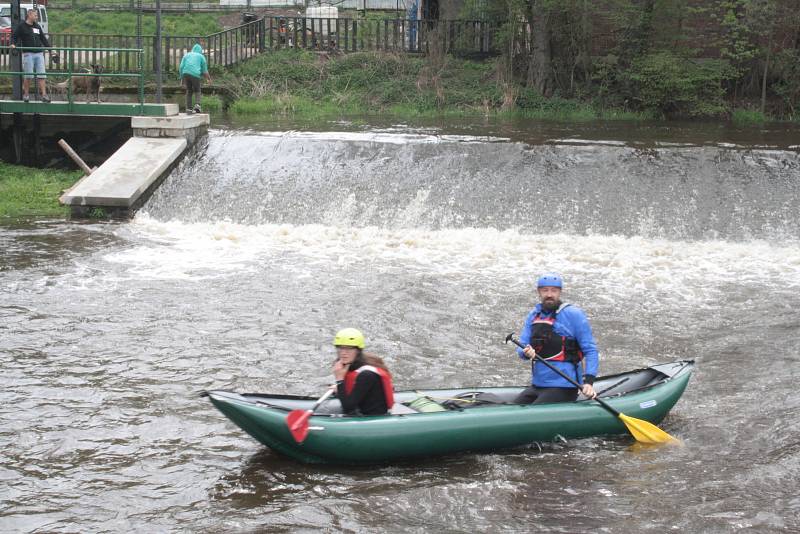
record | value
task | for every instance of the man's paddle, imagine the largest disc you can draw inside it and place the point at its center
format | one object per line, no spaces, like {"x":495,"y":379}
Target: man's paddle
{"x":642,"y":431}
{"x":297,"y":420}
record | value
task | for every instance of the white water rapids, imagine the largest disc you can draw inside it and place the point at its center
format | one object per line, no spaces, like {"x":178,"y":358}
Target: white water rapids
{"x":256,"y":249}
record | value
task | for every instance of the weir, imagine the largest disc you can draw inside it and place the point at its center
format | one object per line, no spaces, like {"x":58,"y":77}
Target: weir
{"x":123,"y":182}
{"x":440,"y":182}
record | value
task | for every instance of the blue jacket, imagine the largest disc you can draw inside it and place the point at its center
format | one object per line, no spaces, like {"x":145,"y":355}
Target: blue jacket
{"x":570,"y":322}
{"x":193,"y":63}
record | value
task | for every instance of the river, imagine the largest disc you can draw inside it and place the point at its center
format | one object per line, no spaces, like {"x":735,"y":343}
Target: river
{"x":680,"y":242}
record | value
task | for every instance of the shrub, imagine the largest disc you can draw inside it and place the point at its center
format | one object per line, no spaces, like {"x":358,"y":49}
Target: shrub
{"x":748,"y":117}
{"x":676,"y":86}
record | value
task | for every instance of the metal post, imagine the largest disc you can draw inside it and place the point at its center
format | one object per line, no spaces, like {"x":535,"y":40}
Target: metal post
{"x":159,"y":93}
{"x":15,"y":63}
{"x":16,"y":56}
{"x":167,"y":53}
{"x":140,"y":54}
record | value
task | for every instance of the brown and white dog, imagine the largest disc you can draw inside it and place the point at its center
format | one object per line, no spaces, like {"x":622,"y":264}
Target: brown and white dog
{"x":88,"y":84}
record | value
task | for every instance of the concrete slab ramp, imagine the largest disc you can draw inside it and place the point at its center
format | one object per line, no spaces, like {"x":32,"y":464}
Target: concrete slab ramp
{"x":126,"y":176}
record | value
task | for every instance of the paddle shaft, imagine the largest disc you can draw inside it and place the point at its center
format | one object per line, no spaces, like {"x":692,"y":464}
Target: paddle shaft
{"x":563,"y":375}
{"x":321,"y":400}
{"x":302,"y":420}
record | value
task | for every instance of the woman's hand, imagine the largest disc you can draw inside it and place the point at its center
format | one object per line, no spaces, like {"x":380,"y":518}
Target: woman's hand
{"x":340,"y":369}
{"x":529,"y":352}
{"x":588,"y":390}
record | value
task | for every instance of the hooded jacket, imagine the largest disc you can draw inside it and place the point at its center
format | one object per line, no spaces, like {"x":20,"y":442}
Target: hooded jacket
{"x":193,"y":63}
{"x":571,"y":322}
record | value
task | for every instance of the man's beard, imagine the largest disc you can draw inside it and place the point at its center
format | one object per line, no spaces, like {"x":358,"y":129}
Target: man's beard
{"x":550,"y":305}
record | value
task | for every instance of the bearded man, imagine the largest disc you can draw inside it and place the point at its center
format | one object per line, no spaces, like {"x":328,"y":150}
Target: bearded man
{"x":559,"y":333}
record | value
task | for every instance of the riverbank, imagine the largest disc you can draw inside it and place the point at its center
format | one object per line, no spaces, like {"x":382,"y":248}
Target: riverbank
{"x":308,"y":85}
{"x":29,"y":192}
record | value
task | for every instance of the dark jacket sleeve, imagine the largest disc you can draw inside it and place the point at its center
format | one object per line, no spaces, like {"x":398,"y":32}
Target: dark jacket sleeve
{"x":43,"y":37}
{"x":15,"y":36}
{"x":364,"y":382}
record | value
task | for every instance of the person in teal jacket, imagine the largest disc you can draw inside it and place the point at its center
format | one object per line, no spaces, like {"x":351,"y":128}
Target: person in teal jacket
{"x":193,"y":67}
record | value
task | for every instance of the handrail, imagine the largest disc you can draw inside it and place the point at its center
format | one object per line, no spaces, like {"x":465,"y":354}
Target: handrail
{"x":71,"y":66}
{"x":231,"y":29}
{"x":44,"y":49}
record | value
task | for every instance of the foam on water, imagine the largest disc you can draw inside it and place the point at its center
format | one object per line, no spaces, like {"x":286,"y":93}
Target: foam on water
{"x":199,"y":250}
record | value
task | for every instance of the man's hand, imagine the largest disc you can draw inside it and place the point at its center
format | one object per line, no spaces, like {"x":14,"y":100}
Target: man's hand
{"x":529,"y":352}
{"x":588,"y":390}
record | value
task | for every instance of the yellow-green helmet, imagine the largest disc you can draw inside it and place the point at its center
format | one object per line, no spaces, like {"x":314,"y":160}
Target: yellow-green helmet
{"x":349,"y":337}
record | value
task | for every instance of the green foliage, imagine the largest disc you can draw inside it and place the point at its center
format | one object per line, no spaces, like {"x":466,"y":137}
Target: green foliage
{"x":787,"y":67}
{"x":98,"y":213}
{"x":531,"y":104}
{"x":29,"y":192}
{"x":212,"y":104}
{"x":748,"y":117}
{"x":676,"y":86}
{"x":306,"y":85}
{"x":736,"y":44}
{"x":289,"y":81}
{"x":124,"y":23}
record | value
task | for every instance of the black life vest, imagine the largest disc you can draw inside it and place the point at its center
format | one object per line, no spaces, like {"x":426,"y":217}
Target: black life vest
{"x":551,"y":346}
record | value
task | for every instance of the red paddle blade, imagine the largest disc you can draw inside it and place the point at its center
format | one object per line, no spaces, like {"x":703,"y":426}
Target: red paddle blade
{"x":297,"y":421}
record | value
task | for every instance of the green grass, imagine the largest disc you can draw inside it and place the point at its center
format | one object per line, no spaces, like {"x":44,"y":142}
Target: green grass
{"x":305,"y":85}
{"x":29,"y":192}
{"x":748,"y":117}
{"x":211,"y":103}
{"x":123,"y":23}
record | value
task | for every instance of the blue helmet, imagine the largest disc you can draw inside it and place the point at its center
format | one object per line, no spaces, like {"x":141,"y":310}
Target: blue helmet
{"x":549,"y":280}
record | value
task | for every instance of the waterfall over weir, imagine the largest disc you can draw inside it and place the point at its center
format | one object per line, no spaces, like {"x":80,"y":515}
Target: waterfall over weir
{"x":392,"y":181}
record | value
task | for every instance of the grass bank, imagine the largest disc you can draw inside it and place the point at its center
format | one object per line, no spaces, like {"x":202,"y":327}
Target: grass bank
{"x":29,"y":192}
{"x":308,"y":85}
{"x":124,"y":23}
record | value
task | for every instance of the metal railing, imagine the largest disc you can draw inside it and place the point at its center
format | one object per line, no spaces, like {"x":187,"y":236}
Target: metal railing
{"x":120,"y":53}
{"x":117,"y":53}
{"x":233,"y":45}
{"x":69,"y":63}
{"x":226,"y":5}
{"x":391,"y":35}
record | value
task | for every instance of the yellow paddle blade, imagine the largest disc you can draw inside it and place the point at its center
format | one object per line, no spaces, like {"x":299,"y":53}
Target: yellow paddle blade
{"x":645,"y":432}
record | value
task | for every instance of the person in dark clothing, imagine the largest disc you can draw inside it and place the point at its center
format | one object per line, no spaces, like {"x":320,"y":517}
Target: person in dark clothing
{"x":28,"y":34}
{"x":363,"y":383}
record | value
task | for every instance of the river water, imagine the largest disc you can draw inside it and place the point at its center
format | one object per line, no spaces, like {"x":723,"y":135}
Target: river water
{"x":236,"y":274}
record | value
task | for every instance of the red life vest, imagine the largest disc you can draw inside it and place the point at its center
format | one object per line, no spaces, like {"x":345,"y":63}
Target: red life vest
{"x":551,"y":346}
{"x":386,"y":382}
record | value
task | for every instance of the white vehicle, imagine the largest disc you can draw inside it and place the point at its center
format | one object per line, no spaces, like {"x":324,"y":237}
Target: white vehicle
{"x":5,"y":20}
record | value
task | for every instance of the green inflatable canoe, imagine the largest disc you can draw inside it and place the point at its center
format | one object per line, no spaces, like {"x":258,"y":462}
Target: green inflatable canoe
{"x":473,"y":419}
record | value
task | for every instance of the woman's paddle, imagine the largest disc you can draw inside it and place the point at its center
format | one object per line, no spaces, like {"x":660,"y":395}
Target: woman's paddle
{"x":297,"y":420}
{"x":642,"y":431}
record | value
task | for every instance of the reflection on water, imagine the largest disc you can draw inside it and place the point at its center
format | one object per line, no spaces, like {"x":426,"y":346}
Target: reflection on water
{"x":109,"y":332}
